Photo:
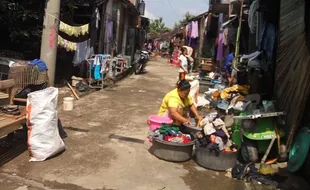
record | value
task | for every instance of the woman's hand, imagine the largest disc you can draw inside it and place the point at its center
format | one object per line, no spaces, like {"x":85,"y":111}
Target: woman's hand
{"x":187,"y":123}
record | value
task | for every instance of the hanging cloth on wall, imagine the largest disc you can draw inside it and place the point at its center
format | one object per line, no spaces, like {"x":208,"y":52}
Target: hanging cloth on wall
{"x":194,"y":33}
{"x":225,"y":36}
{"x":69,"y":46}
{"x":73,"y":30}
{"x":97,"y":15}
{"x":220,"y":21}
{"x":205,"y":26}
{"x":83,"y":52}
{"x":219,"y":55}
{"x":252,"y":19}
{"x":267,"y":39}
{"x":189,"y":34}
{"x":109,"y":30}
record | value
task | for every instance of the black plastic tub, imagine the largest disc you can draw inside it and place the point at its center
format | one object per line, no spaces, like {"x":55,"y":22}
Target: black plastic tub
{"x":172,"y":152}
{"x":191,"y":130}
{"x":218,"y":161}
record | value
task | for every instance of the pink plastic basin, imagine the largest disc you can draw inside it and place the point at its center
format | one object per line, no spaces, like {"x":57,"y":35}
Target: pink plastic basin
{"x":155,"y":121}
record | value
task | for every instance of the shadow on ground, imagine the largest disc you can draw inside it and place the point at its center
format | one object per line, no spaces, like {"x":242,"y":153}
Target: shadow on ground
{"x":10,"y":149}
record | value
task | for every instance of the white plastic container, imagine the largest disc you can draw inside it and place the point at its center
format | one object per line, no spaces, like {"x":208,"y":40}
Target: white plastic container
{"x":76,"y":80}
{"x":68,"y":103}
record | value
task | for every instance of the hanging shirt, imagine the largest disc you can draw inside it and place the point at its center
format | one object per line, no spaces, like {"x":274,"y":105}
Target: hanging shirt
{"x":184,"y":63}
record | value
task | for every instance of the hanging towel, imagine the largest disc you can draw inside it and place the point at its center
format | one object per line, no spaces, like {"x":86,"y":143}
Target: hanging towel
{"x":69,"y":46}
{"x":73,"y":30}
{"x":97,"y":74}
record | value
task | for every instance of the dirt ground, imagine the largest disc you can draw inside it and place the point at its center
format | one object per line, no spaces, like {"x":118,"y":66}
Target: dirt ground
{"x":107,"y":146}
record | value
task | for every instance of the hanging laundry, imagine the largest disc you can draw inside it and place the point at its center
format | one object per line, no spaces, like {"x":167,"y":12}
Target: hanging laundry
{"x":205,"y":26}
{"x":73,"y":30}
{"x":103,"y":65}
{"x":252,"y":19}
{"x":97,"y":17}
{"x":189,"y":34}
{"x":186,"y":29}
{"x":69,"y":46}
{"x":268,"y":39}
{"x":194,"y":33}
{"x":109,"y":30}
{"x":82,"y":52}
{"x":219,"y":55}
{"x":220,"y":21}
{"x":225,"y":36}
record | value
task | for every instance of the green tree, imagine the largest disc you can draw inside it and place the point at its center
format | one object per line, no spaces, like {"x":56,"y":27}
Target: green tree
{"x":184,"y":20}
{"x":157,"y":27}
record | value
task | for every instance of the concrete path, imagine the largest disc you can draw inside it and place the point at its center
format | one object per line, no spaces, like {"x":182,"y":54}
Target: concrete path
{"x":107,"y":147}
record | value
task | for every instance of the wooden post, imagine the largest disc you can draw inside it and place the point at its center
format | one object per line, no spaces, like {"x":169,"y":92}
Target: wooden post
{"x":108,"y":16}
{"x":102,"y":28}
{"x":125,"y":31}
{"x":50,"y":37}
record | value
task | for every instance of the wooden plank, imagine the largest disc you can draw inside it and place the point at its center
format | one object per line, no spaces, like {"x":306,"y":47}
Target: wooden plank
{"x":20,"y":100}
{"x":73,"y":91}
{"x":9,"y":125}
{"x":5,"y":84}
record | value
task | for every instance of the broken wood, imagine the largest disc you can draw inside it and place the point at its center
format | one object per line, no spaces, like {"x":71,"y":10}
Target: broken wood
{"x":73,"y":91}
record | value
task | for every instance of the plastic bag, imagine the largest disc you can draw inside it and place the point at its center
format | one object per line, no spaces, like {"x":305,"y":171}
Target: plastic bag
{"x":42,"y":121}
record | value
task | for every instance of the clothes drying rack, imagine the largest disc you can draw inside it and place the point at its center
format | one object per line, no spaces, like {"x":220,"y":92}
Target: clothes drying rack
{"x":98,"y":70}
{"x":102,"y":68}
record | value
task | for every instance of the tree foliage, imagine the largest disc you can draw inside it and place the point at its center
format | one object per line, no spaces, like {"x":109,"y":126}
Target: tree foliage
{"x":184,"y":20}
{"x":157,"y":26}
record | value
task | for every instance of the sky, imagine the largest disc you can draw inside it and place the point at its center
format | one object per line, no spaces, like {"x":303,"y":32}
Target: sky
{"x":174,"y":11}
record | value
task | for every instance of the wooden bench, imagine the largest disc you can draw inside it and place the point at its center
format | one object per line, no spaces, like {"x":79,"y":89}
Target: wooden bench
{"x":10,"y":123}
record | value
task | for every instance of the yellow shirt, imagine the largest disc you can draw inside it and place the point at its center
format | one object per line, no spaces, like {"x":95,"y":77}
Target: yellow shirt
{"x":173,"y":100}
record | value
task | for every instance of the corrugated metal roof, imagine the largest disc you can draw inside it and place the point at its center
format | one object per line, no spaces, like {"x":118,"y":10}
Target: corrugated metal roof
{"x":292,"y":86}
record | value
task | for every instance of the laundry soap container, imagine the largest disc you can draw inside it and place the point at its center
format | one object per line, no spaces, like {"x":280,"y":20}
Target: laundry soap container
{"x":68,"y":103}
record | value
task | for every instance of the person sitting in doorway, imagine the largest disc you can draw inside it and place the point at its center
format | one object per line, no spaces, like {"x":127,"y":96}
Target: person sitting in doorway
{"x":183,"y":64}
{"x":177,"y":104}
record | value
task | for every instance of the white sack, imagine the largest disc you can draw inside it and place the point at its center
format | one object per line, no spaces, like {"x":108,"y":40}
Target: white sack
{"x":194,"y":90}
{"x":43,"y":136}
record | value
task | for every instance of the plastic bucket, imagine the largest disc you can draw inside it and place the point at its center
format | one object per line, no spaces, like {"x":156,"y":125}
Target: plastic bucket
{"x":68,"y":103}
{"x":155,"y":121}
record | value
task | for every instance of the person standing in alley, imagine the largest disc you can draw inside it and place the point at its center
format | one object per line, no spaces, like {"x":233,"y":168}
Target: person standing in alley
{"x":183,"y":64}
